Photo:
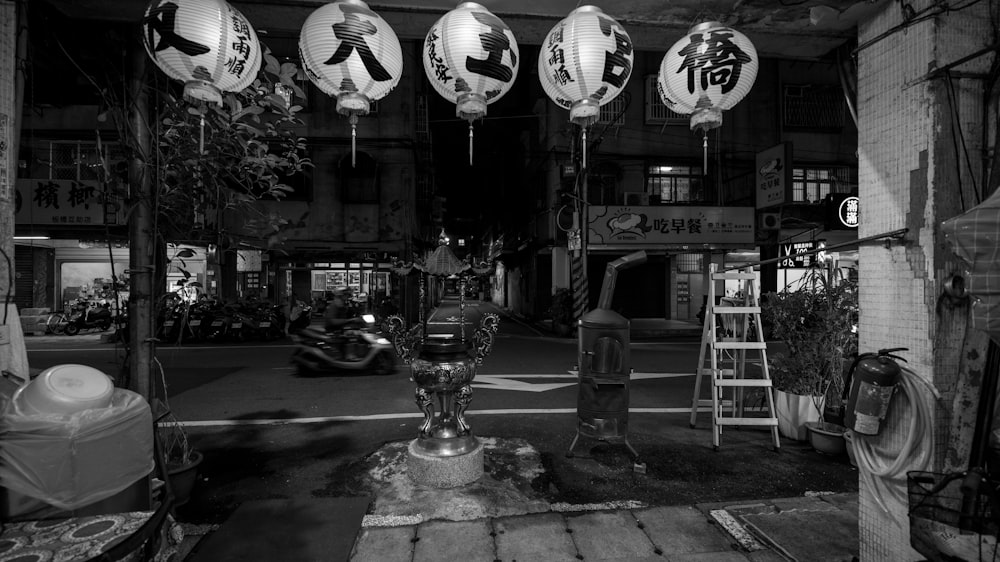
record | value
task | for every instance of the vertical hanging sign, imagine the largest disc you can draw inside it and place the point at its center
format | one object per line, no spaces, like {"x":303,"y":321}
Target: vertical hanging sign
{"x":5,"y":144}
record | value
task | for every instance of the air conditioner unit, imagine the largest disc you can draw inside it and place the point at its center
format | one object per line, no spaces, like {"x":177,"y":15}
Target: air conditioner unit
{"x":635,"y":198}
{"x":770,"y":221}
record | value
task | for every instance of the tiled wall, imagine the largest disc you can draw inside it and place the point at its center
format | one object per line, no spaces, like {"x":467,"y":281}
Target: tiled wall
{"x":908,"y":178}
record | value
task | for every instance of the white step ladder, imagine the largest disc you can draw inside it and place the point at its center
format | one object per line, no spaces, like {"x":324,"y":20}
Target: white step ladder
{"x":727,"y":338}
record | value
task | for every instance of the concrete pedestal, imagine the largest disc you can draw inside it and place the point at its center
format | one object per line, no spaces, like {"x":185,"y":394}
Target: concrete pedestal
{"x":444,"y":472}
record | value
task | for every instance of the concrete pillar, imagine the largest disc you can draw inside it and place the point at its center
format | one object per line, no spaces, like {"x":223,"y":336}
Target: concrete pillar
{"x":13,"y":356}
{"x":911,"y":176}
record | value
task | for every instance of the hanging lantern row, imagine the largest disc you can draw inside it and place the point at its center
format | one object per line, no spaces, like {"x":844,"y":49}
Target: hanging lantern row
{"x":350,"y":53}
{"x":470,"y":57}
{"x":708,"y":71}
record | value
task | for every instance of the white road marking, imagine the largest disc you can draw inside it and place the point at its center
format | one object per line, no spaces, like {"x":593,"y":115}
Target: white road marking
{"x":415,"y":415}
{"x":507,"y":382}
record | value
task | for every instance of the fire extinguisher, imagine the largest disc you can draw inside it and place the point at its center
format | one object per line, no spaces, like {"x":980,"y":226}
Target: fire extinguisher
{"x":871,"y":382}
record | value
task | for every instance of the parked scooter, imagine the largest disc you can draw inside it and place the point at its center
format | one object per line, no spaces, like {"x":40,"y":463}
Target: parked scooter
{"x":89,"y":317}
{"x":356,"y":348}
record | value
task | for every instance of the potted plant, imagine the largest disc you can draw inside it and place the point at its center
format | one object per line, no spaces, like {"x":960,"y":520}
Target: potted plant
{"x":561,"y":311}
{"x":816,"y":321}
{"x":180,"y":459}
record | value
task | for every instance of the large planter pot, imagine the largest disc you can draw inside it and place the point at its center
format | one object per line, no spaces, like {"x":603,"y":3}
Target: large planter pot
{"x":183,"y":477}
{"x":793,"y":411}
{"x":827,"y":438}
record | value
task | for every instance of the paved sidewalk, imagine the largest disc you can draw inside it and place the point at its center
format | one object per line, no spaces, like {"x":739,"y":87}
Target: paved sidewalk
{"x":821,"y":528}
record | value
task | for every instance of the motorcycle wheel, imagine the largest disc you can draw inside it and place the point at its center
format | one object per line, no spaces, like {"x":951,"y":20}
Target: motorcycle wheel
{"x":104,"y":326}
{"x":72,"y":329}
{"x":384,"y":364}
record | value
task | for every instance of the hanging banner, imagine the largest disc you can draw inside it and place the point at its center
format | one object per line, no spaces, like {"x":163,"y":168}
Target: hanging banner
{"x":677,"y":227}
{"x":61,"y":202}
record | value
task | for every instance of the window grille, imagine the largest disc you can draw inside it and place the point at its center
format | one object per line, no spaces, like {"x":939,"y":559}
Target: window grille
{"x":812,"y":185}
{"x":657,"y":112}
{"x":675,"y":184}
{"x":613,"y":112}
{"x":689,"y":263}
{"x":813,"y":106}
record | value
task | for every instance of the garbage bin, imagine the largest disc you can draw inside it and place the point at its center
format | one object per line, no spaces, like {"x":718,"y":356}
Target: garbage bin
{"x":58,"y":460}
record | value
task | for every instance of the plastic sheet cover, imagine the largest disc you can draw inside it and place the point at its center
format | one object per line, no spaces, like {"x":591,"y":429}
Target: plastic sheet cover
{"x":73,"y":460}
{"x":974,"y":237}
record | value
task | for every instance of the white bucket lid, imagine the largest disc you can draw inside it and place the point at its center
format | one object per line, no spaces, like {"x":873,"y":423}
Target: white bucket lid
{"x":66,"y":389}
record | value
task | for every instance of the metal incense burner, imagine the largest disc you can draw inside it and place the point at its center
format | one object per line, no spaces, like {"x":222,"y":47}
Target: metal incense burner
{"x":444,"y":365}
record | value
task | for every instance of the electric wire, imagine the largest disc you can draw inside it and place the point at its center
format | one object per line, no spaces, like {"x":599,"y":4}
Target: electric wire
{"x":880,"y":469}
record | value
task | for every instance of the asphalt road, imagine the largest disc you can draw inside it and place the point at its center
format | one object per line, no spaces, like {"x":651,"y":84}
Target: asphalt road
{"x":267,"y":433}
{"x":526,"y":371}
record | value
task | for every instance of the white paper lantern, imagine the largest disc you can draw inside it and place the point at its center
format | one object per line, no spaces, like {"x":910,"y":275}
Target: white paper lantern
{"x":584,"y":63}
{"x":350,"y":52}
{"x":207,"y":44}
{"x":708,"y":71}
{"x":471,"y":59}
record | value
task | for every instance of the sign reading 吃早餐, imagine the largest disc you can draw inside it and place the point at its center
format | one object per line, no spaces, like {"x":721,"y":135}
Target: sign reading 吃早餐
{"x":669,"y":226}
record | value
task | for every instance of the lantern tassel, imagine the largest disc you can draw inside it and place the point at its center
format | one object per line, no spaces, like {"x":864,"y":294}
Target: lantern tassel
{"x":584,"y":149}
{"x":470,"y":143}
{"x":704,"y":152}
{"x":354,"y":138}
{"x":201,"y":135}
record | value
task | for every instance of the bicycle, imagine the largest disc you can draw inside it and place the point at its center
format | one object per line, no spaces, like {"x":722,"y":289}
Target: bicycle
{"x":56,"y":323}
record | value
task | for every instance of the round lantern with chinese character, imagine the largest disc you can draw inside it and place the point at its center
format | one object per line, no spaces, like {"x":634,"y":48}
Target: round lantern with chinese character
{"x":708,"y":71}
{"x":584,"y":63}
{"x":471,"y":59}
{"x":352,"y":54}
{"x":207,"y":44}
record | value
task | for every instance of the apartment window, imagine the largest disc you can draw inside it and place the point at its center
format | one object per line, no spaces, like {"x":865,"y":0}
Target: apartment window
{"x":613,"y":112}
{"x":602,"y":184}
{"x":79,"y":160}
{"x":359,"y":181}
{"x":675,"y":184}
{"x":813,"y":106}
{"x":812,"y":185}
{"x":657,"y":112}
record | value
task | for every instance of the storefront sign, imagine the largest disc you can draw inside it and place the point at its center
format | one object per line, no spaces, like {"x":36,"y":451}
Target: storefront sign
{"x":62,"y":202}
{"x":669,"y":226}
{"x":774,"y":176}
{"x":785,"y":251}
{"x":848,"y":212}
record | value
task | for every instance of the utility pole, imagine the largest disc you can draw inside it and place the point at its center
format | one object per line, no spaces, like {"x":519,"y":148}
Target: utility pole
{"x":13,"y":41}
{"x":142,"y":244}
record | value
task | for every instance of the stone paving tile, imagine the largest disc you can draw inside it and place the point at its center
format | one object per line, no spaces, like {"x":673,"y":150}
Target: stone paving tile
{"x":683,"y":530}
{"x":384,"y":544}
{"x":603,"y":535}
{"x":468,"y":541}
{"x":534,"y":537}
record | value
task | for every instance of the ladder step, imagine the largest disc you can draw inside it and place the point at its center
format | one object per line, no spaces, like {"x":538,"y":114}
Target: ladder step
{"x":742,"y":382}
{"x":746,"y":421}
{"x":737,"y":310}
{"x":739,"y":345}
{"x":733,"y":275}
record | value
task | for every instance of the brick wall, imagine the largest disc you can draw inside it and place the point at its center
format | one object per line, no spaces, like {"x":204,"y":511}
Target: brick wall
{"x":909,"y":177}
